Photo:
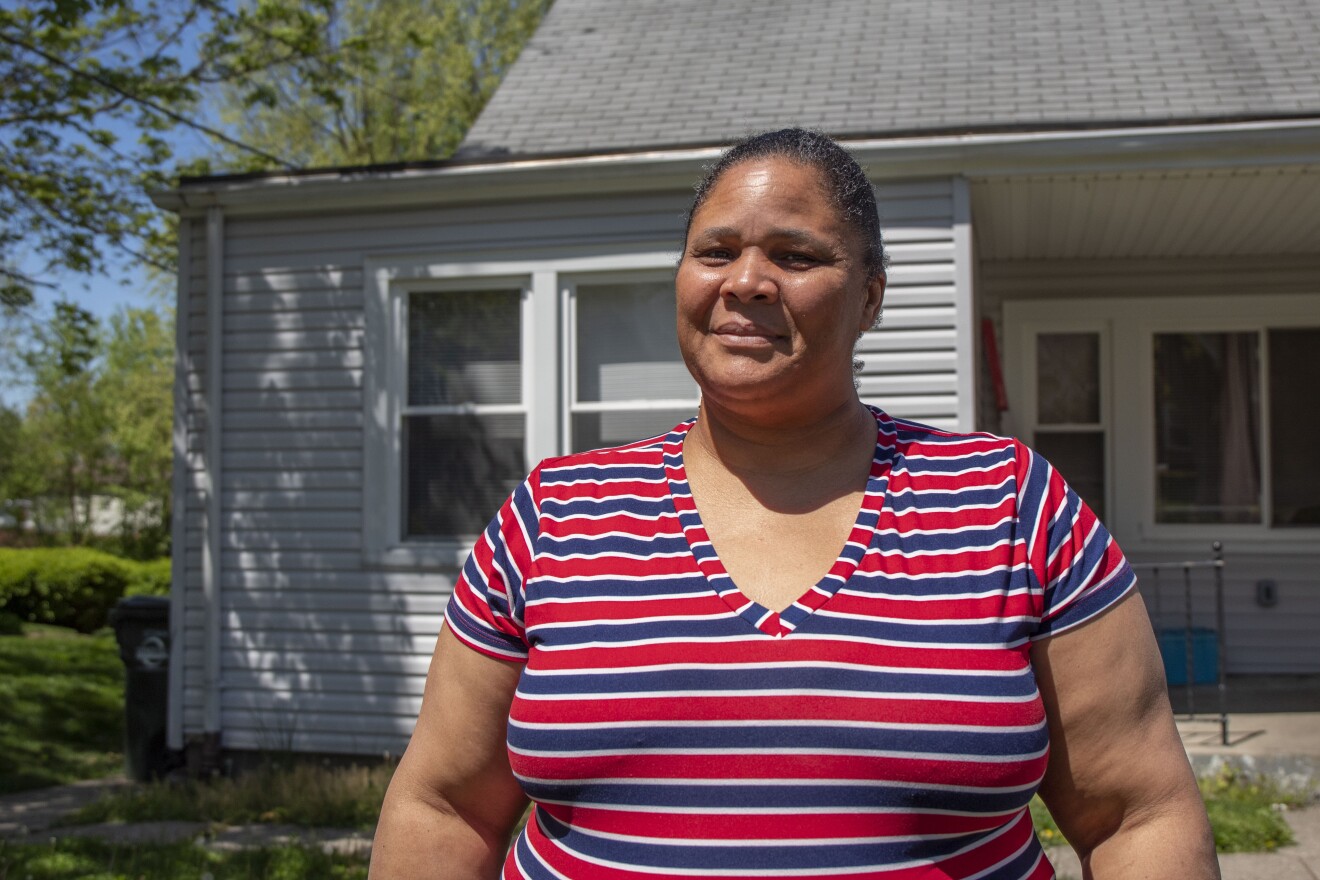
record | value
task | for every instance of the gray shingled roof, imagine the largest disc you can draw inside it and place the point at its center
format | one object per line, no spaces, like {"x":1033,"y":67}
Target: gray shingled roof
{"x":620,"y":75}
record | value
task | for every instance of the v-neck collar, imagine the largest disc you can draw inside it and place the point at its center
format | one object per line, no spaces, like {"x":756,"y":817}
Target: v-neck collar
{"x":772,"y":623}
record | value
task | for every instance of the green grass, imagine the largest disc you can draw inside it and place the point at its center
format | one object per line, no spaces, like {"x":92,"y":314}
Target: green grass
{"x":96,"y":860}
{"x":306,"y":794}
{"x":1046,"y":830}
{"x":63,"y":698}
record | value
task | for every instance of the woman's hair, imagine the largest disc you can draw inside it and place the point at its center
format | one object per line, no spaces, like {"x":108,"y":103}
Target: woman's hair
{"x":845,"y":184}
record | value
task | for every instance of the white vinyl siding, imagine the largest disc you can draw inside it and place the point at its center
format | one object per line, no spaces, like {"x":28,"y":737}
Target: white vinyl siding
{"x":321,"y":646}
{"x":911,"y":363}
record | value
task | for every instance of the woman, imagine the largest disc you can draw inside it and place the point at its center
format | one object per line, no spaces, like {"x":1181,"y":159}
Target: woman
{"x":795,"y":637}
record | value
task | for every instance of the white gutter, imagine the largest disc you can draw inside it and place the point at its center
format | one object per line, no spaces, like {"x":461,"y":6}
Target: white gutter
{"x":965,"y":304}
{"x":179,"y":488}
{"x":1220,"y":145}
{"x":211,"y":543}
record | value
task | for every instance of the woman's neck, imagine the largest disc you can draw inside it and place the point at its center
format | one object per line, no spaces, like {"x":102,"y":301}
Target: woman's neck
{"x":818,"y":442}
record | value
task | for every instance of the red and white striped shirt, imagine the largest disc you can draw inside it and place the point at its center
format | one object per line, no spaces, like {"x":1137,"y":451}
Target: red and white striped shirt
{"x":887,"y":724}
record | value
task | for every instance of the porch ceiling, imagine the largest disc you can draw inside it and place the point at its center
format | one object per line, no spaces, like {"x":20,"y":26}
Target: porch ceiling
{"x":1191,"y":213}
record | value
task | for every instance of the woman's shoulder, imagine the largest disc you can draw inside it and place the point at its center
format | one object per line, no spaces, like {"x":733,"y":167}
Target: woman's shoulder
{"x":911,"y":437}
{"x":640,"y":459}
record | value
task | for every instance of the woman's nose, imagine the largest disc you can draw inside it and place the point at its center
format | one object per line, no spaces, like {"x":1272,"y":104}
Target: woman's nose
{"x":750,"y":278}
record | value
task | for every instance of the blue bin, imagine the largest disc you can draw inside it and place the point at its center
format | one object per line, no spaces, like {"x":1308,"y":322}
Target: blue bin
{"x":1205,"y":655}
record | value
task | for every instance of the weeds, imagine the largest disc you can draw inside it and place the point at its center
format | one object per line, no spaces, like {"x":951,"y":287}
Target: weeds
{"x":304,"y":794}
{"x":1246,"y":811}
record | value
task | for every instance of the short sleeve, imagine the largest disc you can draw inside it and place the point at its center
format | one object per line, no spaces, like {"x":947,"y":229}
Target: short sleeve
{"x":485,"y":611}
{"x":1073,"y":560}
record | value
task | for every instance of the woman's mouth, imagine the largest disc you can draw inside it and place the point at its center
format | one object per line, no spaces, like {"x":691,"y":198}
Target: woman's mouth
{"x":740,"y":334}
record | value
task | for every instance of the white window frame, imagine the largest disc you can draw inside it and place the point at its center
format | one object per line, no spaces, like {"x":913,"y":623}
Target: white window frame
{"x":389,"y":279}
{"x":1134,"y":323}
{"x":1020,"y":373}
{"x":569,"y":284}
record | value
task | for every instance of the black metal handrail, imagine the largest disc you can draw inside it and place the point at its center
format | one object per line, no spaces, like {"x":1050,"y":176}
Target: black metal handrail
{"x":1216,"y":563}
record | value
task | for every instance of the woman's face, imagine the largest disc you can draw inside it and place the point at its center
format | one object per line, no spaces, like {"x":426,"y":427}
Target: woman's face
{"x":772,"y":290}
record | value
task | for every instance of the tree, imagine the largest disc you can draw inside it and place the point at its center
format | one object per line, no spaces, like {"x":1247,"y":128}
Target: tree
{"x":408,"y":80}
{"x":64,"y":453}
{"x":11,"y":425}
{"x":96,"y":430}
{"x":135,"y":387}
{"x":90,"y":91}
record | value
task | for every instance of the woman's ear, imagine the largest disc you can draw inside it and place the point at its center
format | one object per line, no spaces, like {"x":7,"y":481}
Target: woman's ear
{"x":875,"y":298}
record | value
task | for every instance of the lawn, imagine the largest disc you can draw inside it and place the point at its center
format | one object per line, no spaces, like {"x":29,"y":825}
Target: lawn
{"x":63,"y":699}
{"x":73,"y":859}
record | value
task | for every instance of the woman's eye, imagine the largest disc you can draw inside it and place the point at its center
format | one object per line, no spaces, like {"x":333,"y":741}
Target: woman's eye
{"x":801,"y":259}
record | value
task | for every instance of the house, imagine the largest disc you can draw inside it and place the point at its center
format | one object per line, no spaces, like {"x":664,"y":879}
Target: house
{"x":1104,"y":219}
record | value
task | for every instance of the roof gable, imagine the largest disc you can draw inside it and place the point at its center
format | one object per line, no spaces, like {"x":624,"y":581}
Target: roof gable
{"x":611,"y":76}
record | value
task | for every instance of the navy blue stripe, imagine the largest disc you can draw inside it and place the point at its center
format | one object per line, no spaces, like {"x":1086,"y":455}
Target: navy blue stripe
{"x":769,"y":735}
{"x":748,"y":681}
{"x":776,"y":795}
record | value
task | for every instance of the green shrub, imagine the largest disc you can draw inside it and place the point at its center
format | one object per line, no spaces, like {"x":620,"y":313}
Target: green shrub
{"x":150,"y":578}
{"x":73,"y":586}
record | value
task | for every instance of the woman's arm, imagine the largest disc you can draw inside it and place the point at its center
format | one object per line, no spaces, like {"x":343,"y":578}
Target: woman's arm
{"x":453,"y":800}
{"x":1119,"y":784}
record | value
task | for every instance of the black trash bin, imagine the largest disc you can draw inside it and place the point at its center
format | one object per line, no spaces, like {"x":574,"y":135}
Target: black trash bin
{"x":142,"y":628}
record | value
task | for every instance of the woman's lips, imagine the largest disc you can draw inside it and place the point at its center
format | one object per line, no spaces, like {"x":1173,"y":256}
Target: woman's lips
{"x":739,"y":335}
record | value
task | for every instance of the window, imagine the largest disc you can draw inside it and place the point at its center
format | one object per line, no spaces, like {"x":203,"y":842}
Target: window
{"x":627,"y":378}
{"x":1211,"y":442}
{"x":475,"y":371}
{"x":463,"y":421}
{"x":1070,"y":430}
{"x":1294,"y":382}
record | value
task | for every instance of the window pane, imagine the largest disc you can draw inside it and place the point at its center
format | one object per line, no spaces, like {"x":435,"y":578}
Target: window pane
{"x":1068,"y":378}
{"x":1207,"y":434}
{"x":1080,"y":457}
{"x":595,"y":430}
{"x":1295,"y":426}
{"x":627,"y":345}
{"x":457,"y":471}
{"x":464,"y":347}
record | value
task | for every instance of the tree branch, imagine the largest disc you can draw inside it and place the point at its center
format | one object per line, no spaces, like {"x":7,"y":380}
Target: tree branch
{"x":24,"y":279}
{"x":146,"y":102}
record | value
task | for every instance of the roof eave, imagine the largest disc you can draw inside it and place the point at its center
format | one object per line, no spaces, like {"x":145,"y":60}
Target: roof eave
{"x":1232,"y":144}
